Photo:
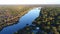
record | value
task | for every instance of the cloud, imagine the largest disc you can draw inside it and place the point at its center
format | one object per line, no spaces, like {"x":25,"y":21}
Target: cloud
{"x":29,"y":1}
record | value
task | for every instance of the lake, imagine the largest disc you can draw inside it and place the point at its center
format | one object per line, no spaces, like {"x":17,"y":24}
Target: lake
{"x":26,"y":19}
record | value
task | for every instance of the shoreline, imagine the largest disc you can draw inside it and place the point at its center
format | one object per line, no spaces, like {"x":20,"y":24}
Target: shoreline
{"x":14,"y":21}
{"x":43,"y":23}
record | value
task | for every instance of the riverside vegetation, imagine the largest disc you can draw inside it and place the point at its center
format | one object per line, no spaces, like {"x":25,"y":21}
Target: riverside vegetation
{"x":10,"y":14}
{"x":48,"y":22}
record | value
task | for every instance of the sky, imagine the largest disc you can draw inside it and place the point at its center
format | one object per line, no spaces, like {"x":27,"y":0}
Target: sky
{"x":2,"y":2}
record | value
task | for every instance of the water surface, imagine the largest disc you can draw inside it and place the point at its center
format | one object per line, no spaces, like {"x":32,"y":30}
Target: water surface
{"x":26,"y":19}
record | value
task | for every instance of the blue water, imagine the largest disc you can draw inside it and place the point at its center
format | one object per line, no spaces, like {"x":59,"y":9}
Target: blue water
{"x":26,"y":19}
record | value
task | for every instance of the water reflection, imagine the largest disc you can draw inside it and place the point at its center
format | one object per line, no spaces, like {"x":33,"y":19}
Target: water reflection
{"x":26,"y":19}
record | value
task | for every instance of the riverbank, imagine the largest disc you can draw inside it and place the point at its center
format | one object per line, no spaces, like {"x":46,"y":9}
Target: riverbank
{"x":28,"y":18}
{"x":48,"y":22}
{"x":13,"y":17}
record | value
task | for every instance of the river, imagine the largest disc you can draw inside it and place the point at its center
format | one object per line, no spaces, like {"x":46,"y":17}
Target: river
{"x":26,"y":19}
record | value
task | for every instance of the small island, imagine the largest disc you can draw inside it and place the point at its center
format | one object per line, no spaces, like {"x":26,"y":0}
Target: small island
{"x":48,"y":22}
